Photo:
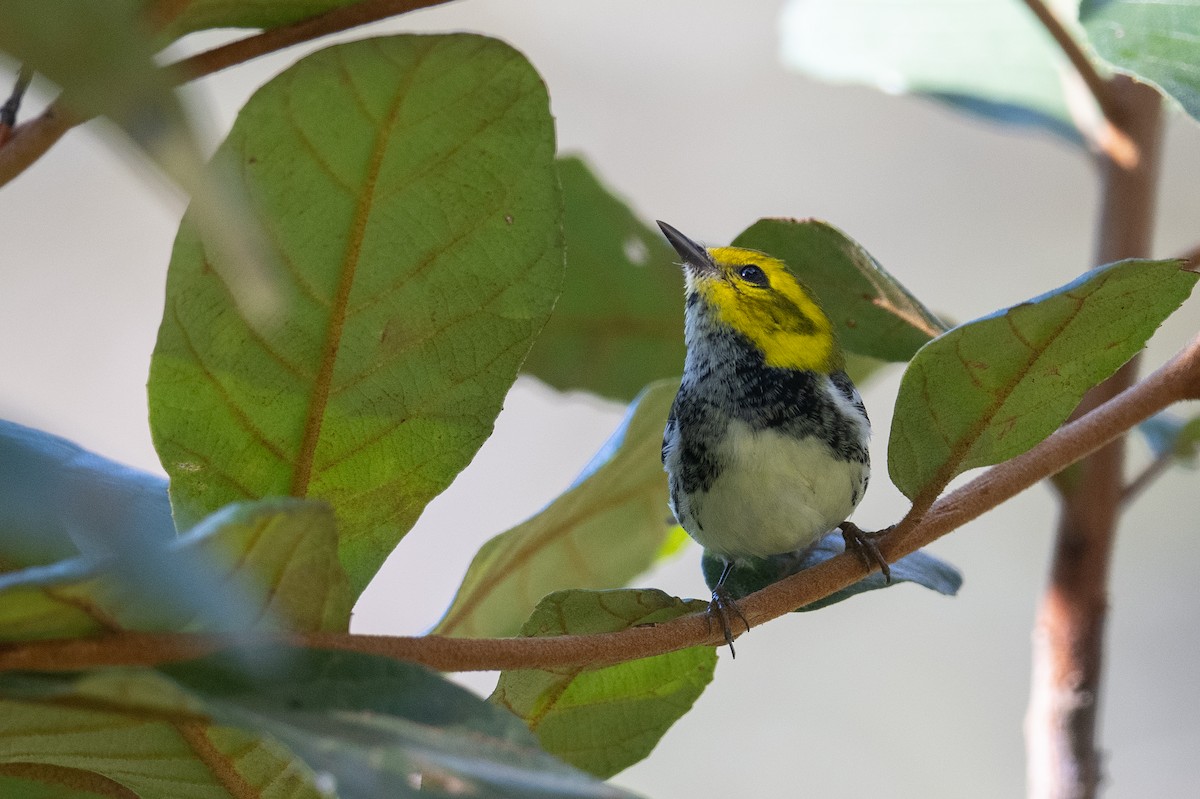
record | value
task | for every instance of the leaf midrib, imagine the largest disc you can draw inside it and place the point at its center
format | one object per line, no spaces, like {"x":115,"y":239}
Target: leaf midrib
{"x":319,"y":401}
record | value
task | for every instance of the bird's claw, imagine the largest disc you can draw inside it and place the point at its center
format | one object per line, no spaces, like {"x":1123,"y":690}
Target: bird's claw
{"x":865,"y":545}
{"x":722,"y":607}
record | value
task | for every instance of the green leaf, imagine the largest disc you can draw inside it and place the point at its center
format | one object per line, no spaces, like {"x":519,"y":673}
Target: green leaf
{"x":874,"y":315}
{"x":991,"y":389}
{"x":604,"y":720}
{"x":258,"y":566}
{"x":176,"y":18}
{"x":605,"y":530}
{"x":54,"y":783}
{"x":58,"y":499}
{"x":989,"y":57}
{"x":1156,"y":42}
{"x":409,"y":185}
{"x":137,"y":731}
{"x":385,"y":728}
{"x":619,"y":322}
{"x":755,"y":574}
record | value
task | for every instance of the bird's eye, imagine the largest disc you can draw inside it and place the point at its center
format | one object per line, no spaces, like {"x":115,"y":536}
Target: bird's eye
{"x":753,"y":274}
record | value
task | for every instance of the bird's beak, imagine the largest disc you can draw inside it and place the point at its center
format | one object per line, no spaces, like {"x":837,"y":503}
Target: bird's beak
{"x":694,"y":256}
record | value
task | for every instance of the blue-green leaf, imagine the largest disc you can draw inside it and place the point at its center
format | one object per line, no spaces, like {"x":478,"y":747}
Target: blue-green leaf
{"x":989,"y":57}
{"x":1158,"y":42}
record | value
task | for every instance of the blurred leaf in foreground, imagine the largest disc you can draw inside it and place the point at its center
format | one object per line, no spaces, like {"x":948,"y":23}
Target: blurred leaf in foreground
{"x":133,"y":733}
{"x":379,"y":727}
{"x":259,"y":566}
{"x":58,"y":500}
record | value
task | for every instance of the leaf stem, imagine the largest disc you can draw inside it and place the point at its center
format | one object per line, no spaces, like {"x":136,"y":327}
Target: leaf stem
{"x":1155,"y":469}
{"x":1177,"y":380}
{"x":1099,"y":86}
{"x":30,"y":140}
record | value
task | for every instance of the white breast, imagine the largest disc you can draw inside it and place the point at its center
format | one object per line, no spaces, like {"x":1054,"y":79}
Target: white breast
{"x":774,"y":494}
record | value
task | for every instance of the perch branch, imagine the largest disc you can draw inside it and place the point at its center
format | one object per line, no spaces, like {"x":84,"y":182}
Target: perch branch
{"x":1177,"y":380}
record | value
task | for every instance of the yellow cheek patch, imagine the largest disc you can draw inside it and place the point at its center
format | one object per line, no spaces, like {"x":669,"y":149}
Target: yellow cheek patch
{"x":782,"y":320}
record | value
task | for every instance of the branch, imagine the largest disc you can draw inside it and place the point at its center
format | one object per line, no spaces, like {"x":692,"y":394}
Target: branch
{"x":1068,"y":640}
{"x":32,"y":139}
{"x":1177,"y":380}
{"x":1097,"y":84}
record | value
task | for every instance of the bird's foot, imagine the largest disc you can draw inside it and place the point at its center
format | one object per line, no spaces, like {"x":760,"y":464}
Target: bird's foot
{"x":865,"y":545}
{"x":723,"y":608}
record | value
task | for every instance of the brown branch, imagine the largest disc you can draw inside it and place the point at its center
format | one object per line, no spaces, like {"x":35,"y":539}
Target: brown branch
{"x":32,"y":139}
{"x":1097,"y":84}
{"x":1177,"y":380}
{"x":1063,"y":759}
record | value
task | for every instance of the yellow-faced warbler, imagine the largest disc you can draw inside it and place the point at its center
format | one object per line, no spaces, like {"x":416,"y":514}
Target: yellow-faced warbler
{"x":766,"y":445}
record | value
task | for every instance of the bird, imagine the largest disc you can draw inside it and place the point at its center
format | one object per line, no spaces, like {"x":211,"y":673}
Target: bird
{"x":766,"y":444}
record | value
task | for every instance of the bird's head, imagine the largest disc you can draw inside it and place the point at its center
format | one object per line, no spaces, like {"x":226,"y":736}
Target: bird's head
{"x":755,"y":295}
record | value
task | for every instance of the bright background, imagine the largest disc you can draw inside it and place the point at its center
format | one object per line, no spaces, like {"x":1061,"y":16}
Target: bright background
{"x":683,"y":109}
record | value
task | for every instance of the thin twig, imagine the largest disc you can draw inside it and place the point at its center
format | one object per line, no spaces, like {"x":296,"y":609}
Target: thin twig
{"x":32,"y":139}
{"x":8,"y":111}
{"x":1097,"y":84}
{"x":1155,"y":469}
{"x":1177,"y":380}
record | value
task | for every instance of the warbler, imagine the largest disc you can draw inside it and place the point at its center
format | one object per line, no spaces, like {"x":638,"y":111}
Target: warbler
{"x":766,"y":445}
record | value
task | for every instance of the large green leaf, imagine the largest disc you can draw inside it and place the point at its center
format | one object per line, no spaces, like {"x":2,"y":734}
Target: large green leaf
{"x":383,"y":728}
{"x":135,"y":730}
{"x":619,"y":322}
{"x":259,"y":566}
{"x":601,"y":533}
{"x":874,"y":315}
{"x":604,"y":720}
{"x":991,"y":389}
{"x":990,"y":57}
{"x":1157,"y":42}
{"x":409,"y":186}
